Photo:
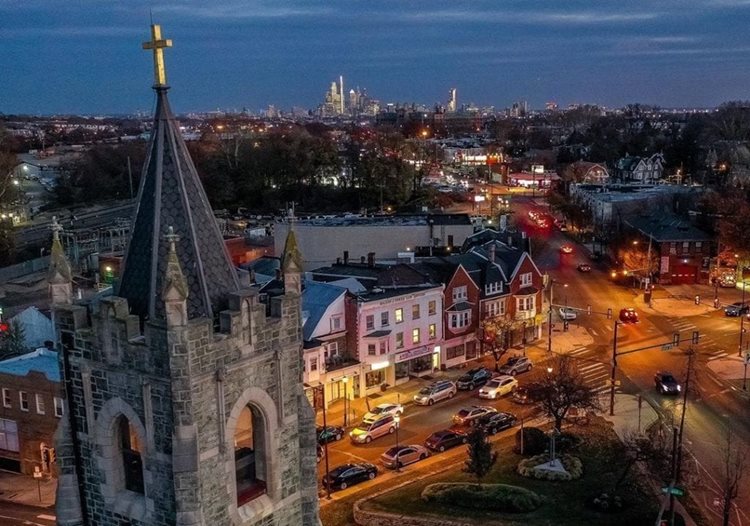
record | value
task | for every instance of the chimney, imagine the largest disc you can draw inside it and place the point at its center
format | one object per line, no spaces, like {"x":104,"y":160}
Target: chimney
{"x":338,"y":261}
{"x":346,"y":257}
{"x":371,"y":259}
{"x":492,"y":253}
{"x":362,"y":259}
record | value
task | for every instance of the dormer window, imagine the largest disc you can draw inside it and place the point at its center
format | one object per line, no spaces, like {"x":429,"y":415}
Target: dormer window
{"x":493,"y":288}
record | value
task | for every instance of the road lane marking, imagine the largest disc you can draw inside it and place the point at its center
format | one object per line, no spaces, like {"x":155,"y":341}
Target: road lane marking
{"x":46,"y":517}
{"x":717,"y":356}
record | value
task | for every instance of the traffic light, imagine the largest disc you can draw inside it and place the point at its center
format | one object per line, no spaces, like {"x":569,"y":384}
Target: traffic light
{"x":4,"y":328}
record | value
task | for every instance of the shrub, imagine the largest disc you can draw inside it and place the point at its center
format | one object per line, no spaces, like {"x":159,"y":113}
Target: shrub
{"x":572,"y":465}
{"x":502,"y":498}
{"x":567,"y":442}
{"x":534,"y":441}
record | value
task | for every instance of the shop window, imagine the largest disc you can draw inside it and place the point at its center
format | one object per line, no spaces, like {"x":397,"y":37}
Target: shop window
{"x":9,"y":435}
{"x":130,"y":448}
{"x":375,"y":378}
{"x":399,"y":315}
{"x":433,"y":331}
{"x":415,"y":336}
{"x":415,"y":311}
{"x":454,"y":352}
{"x":399,"y":340}
{"x":432,"y":307}
{"x":249,"y":456}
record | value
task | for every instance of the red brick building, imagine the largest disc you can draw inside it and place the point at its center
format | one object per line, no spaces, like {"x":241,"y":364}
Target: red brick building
{"x":31,"y":407}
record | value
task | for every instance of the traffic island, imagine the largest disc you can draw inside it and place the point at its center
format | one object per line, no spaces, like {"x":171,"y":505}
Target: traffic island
{"x":562,"y":503}
{"x":494,"y":497}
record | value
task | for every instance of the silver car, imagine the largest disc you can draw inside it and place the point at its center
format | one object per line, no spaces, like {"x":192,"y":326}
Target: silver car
{"x":435,"y":392}
{"x":398,"y":456}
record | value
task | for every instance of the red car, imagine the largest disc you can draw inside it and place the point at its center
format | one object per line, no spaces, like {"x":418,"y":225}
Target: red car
{"x":628,"y":315}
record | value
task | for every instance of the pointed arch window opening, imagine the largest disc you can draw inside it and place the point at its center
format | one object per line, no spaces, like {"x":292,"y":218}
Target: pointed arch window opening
{"x":250,"y":455}
{"x":132,"y":462}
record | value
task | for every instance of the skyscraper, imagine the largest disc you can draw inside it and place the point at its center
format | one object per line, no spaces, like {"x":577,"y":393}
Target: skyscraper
{"x":452,"y":100}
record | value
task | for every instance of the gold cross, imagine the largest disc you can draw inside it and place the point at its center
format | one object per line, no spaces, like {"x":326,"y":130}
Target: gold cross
{"x":158,"y":44}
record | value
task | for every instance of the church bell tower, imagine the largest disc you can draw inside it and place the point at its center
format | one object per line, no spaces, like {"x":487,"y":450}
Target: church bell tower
{"x":184,"y":399}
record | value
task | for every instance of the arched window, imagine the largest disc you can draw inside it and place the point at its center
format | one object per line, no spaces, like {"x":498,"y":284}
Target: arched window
{"x":130,"y":449}
{"x":249,"y":455}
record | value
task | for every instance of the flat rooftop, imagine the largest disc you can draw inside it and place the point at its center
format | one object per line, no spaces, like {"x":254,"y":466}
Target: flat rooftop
{"x":386,"y":220}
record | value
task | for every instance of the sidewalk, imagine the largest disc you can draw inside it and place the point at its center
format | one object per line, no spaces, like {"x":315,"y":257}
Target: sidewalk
{"x":23,"y":489}
{"x":626,"y":419}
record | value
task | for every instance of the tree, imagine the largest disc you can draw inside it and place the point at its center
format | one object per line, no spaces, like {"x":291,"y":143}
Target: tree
{"x":497,"y":335}
{"x":652,"y":448}
{"x":733,"y":470}
{"x":481,"y":454}
{"x":563,"y":388}
{"x":12,"y":340}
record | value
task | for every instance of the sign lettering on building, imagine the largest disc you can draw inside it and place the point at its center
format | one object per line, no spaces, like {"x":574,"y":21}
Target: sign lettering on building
{"x":412,"y":353}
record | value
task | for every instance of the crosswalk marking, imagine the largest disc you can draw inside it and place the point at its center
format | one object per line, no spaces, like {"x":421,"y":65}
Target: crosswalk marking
{"x":716,"y":356}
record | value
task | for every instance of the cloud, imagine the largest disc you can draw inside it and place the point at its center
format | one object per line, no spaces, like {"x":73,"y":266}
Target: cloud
{"x":528,"y":17}
{"x":72,"y":32}
{"x":242,"y":10}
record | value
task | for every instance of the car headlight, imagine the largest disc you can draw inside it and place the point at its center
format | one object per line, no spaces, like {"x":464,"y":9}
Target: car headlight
{"x":679,"y":388}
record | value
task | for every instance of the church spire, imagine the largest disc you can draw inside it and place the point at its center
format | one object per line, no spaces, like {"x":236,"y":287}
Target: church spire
{"x":59,"y":274}
{"x":171,"y":194}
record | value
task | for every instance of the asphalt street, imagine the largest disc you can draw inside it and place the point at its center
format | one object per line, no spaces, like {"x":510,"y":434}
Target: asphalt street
{"x":12,"y":514}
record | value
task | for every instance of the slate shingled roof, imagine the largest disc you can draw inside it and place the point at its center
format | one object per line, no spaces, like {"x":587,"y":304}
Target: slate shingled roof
{"x":42,"y":360}
{"x":171,"y":194}
{"x":316,"y":298}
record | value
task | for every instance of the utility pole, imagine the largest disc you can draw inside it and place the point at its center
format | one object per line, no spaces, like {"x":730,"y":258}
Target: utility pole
{"x":613,"y":372}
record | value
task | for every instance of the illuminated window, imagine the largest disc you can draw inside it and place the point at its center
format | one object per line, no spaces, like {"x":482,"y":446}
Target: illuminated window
{"x":431,"y":307}
{"x":130,"y":448}
{"x":399,"y":315}
{"x":433,"y":331}
{"x":249,"y":456}
{"x":415,"y":336}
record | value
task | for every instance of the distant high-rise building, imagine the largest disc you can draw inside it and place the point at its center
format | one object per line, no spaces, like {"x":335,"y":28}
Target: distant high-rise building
{"x":452,"y":100}
{"x":551,"y":106}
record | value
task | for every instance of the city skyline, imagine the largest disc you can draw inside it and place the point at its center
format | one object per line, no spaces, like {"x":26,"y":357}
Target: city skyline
{"x":251,"y":54}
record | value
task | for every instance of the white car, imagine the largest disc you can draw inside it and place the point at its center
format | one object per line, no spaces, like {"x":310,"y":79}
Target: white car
{"x":498,"y":387}
{"x":566,"y":313}
{"x":383,"y":409}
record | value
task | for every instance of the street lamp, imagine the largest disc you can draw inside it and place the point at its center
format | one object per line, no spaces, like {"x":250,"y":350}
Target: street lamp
{"x":549,"y":369}
{"x":346,"y":400}
{"x":397,"y":420}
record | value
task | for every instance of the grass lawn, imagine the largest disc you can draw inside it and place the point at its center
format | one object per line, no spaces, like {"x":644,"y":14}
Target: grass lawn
{"x":603,"y":462}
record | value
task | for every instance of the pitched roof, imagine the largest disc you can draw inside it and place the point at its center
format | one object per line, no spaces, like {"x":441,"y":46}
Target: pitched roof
{"x":42,"y":360}
{"x":171,"y":194}
{"x":316,"y":298}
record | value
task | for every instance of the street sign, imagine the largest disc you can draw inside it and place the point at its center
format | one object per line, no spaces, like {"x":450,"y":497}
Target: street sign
{"x":670,"y":490}
{"x":666,"y":347}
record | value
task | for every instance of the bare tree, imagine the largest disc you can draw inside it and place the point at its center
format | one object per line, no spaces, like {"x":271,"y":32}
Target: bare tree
{"x":497,"y":334}
{"x":733,"y":470}
{"x":563,"y":388}
{"x":651,"y":448}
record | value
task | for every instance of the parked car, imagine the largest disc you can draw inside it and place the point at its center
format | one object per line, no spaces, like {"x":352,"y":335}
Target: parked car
{"x":445,"y":439}
{"x":736,"y":309}
{"x":474,"y":378}
{"x":666,"y":383}
{"x":329,"y":433}
{"x":366,"y":432}
{"x":566,"y":249}
{"x":584,"y":267}
{"x":628,"y":315}
{"x":398,"y":456}
{"x":383,"y":409}
{"x":467,"y":414}
{"x":567,"y":313}
{"x":491,"y":423}
{"x":524,"y":394}
{"x":727,"y":281}
{"x":498,"y":387}
{"x":341,"y":477}
{"x":516,"y":365}
{"x":435,"y":392}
